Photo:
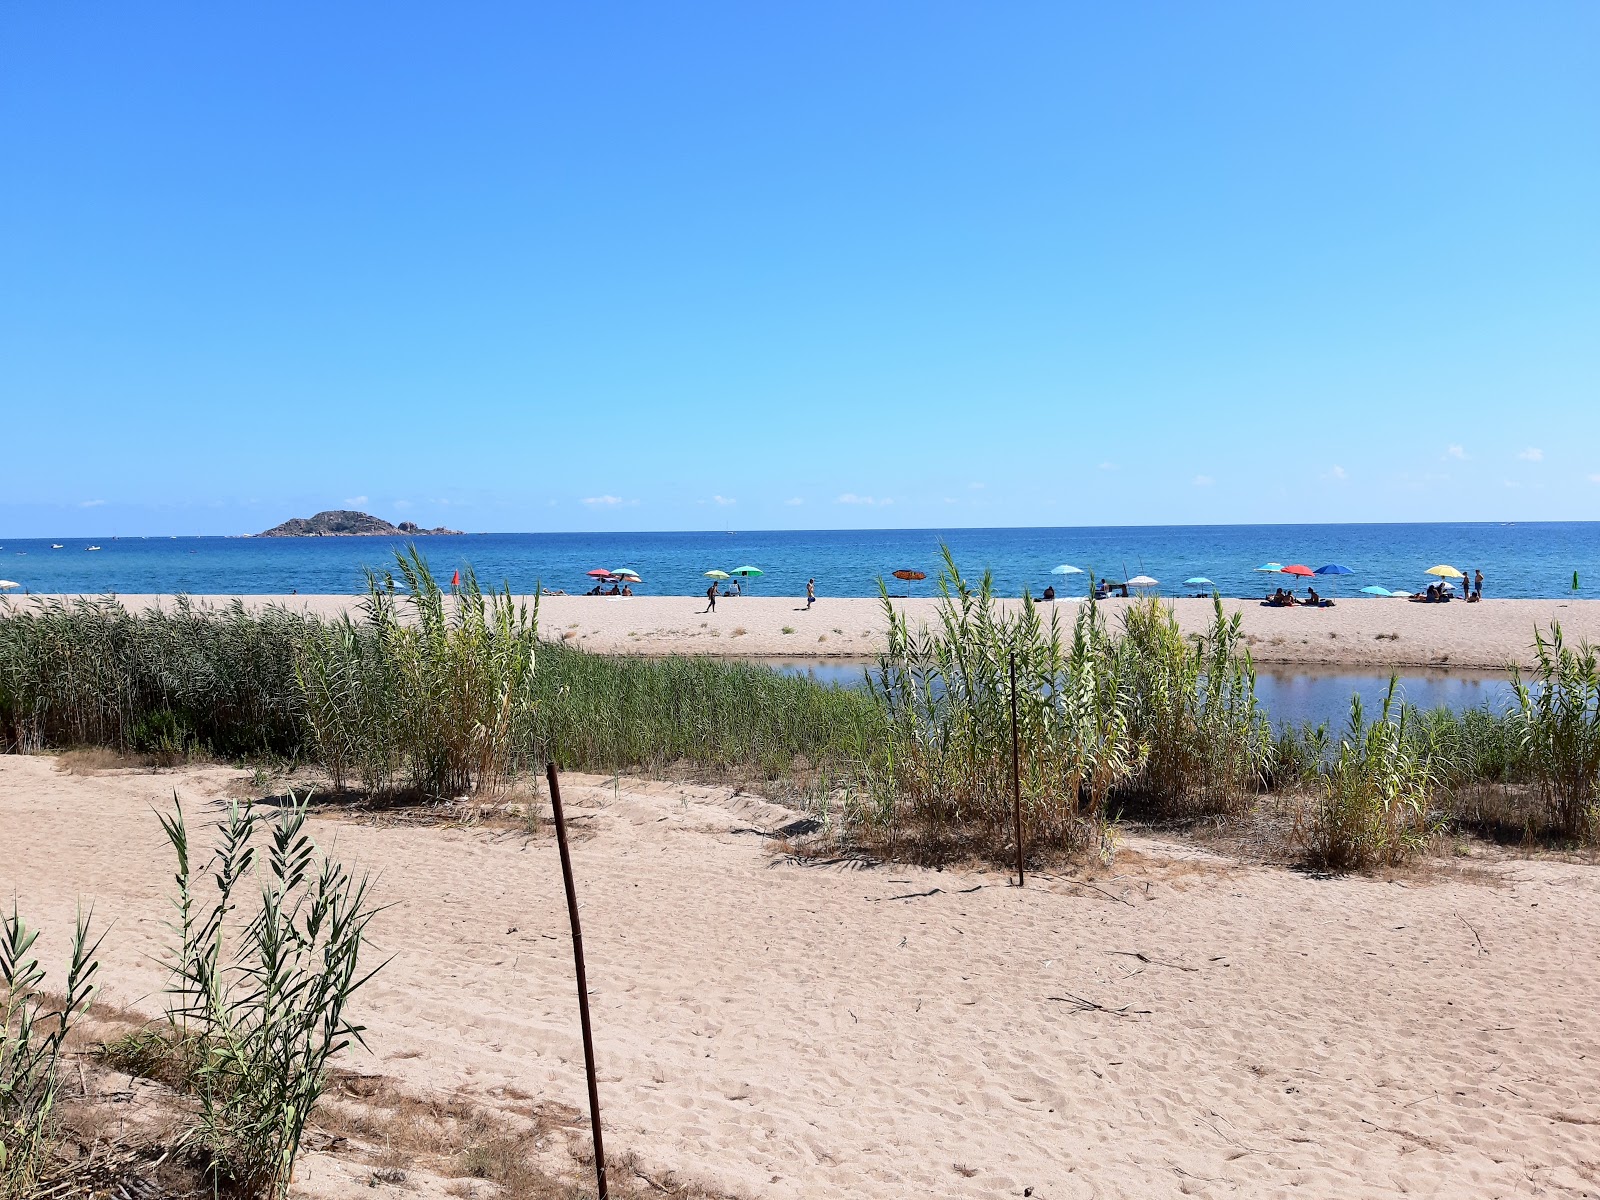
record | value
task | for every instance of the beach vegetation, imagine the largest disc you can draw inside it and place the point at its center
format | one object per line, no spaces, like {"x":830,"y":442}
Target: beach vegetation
{"x":1557,"y":723}
{"x":943,"y":782}
{"x":1194,"y":707}
{"x":33,"y":1032}
{"x":259,"y":1001}
{"x":436,"y":689}
{"x":1371,"y":802}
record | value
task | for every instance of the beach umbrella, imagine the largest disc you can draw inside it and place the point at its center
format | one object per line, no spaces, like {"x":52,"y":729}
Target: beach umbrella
{"x":6,"y":585}
{"x":1401,"y":595}
{"x":1066,"y":569}
{"x":1375,"y":590}
{"x":1298,"y":570}
{"x":716,"y":575}
{"x":1198,"y":581}
{"x":626,"y":573}
{"x":599,"y":573}
{"x":909,"y":575}
{"x":1334,"y":569}
{"x":1444,"y":572}
{"x":747,"y":571}
{"x":1143,"y":581}
{"x":1270,"y":567}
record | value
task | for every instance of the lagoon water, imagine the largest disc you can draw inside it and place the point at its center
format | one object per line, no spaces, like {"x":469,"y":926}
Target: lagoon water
{"x":1520,"y":560}
{"x":1290,"y":695}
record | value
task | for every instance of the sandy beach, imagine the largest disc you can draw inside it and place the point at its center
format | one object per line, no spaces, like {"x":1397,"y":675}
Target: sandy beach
{"x":1355,"y":633}
{"x":787,"y":1030}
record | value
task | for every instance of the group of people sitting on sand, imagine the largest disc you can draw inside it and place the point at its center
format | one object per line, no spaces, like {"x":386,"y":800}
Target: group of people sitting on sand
{"x":1283,"y":598}
{"x":599,"y":590}
{"x":1442,"y":592}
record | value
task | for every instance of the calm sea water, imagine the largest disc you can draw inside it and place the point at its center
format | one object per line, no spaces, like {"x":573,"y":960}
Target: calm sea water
{"x":1527,"y":560}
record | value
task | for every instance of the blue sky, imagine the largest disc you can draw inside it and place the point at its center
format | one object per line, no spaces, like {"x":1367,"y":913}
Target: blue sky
{"x":645,"y":266}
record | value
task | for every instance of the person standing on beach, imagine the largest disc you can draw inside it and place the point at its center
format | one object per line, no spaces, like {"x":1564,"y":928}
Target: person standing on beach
{"x":1477,"y":584}
{"x":711,"y":598}
{"x":811,"y":593}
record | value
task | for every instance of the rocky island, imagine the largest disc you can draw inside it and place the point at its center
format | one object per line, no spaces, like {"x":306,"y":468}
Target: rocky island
{"x":343,"y":522}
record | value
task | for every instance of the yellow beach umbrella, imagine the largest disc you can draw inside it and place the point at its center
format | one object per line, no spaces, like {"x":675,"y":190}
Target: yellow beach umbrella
{"x":1444,"y":572}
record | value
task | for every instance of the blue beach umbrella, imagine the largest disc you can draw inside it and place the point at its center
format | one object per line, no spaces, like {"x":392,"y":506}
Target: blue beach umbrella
{"x":1334,"y":569}
{"x":1198,"y":581}
{"x":1270,"y":567}
{"x":1375,"y":590}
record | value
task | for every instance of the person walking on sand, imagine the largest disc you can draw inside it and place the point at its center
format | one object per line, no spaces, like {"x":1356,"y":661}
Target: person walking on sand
{"x":711,"y":598}
{"x":811,"y":593}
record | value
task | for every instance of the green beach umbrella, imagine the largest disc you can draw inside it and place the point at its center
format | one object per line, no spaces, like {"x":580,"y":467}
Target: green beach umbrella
{"x":747,"y":571}
{"x":716,"y":575}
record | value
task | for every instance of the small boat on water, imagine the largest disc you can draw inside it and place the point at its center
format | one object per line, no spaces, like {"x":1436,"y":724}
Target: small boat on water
{"x":91,"y":547}
{"x":55,"y":545}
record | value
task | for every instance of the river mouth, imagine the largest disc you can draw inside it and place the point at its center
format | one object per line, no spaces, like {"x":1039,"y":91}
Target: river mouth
{"x":1290,"y":695}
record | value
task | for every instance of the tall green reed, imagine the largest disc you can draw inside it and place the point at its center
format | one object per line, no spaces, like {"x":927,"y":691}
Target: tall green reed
{"x":33,"y":1033}
{"x":946,"y":692}
{"x":1195,"y":707}
{"x":259,"y":1006}
{"x":1557,"y":721}
{"x":1373,"y":799}
{"x":437,"y":688}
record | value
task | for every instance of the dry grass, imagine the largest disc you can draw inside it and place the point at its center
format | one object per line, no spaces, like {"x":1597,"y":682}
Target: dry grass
{"x":96,"y":760}
{"x":124,"y":1110}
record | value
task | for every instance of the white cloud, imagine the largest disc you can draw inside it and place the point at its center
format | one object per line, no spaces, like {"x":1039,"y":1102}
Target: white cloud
{"x":402,"y":504}
{"x":1532,"y":454}
{"x":886,"y":501}
{"x":976,"y":487}
{"x":852,"y":498}
{"x":1335,"y":472}
{"x":723,"y":500}
{"x":1203,"y":481}
{"x":1108,"y":466}
{"x":1594,"y":479}
{"x":602,"y":501}
{"x":794,"y":501}
{"x":1511,"y":483}
{"x":354,"y":501}
{"x":1454,"y":451}
{"x":90,"y":503}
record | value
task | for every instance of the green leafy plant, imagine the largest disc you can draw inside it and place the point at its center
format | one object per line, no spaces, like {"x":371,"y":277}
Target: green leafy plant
{"x":33,"y":1033}
{"x":1557,"y":721}
{"x":1373,"y":799}
{"x":259,"y":1011}
{"x":943,"y":778}
{"x":1195,"y":707}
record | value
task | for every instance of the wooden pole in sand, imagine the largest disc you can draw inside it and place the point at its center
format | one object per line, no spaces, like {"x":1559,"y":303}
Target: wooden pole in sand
{"x":583,"y":980}
{"x":1016,"y":774}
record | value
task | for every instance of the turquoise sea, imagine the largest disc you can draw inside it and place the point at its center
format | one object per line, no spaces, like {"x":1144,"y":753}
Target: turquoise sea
{"x":1526,"y":560}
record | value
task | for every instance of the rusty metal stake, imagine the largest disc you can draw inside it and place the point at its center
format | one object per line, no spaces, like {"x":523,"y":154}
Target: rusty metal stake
{"x":1016,"y":774}
{"x":583,"y":981}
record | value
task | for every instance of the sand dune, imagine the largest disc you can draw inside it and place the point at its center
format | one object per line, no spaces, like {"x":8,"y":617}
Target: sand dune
{"x":788,"y":1030}
{"x":1358,"y":632}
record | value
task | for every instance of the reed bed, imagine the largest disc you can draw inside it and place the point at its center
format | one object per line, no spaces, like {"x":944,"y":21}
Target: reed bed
{"x":88,"y":672}
{"x":437,"y":694}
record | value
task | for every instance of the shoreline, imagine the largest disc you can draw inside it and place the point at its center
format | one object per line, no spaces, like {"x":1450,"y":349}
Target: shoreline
{"x":1373,"y":634}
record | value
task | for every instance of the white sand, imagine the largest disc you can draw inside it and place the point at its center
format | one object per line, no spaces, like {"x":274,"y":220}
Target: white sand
{"x":1360,"y":632}
{"x":793,"y":1031}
